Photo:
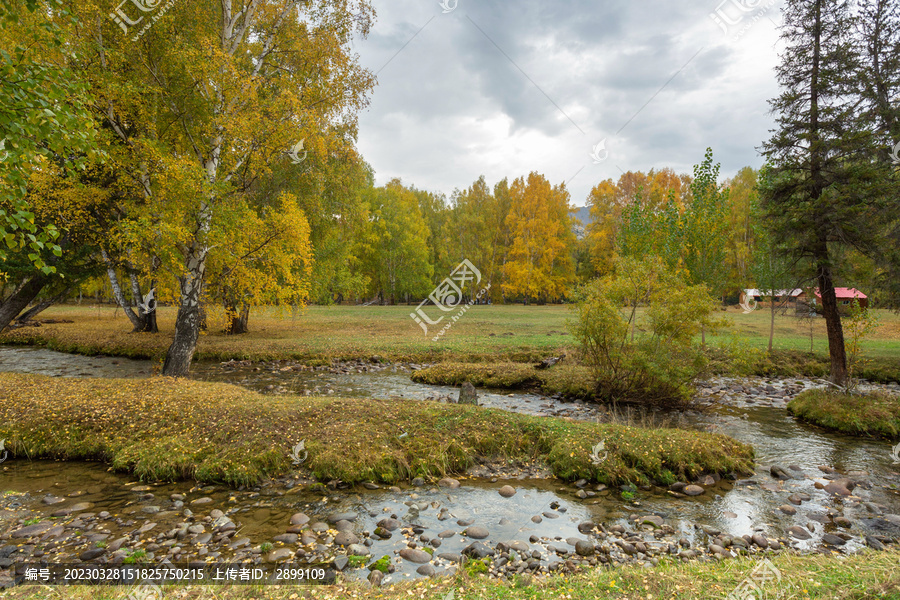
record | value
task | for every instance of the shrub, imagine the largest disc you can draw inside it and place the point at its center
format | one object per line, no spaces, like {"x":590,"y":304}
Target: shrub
{"x":653,"y":359}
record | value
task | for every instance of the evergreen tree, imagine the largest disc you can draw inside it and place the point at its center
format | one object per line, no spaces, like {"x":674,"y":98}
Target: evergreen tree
{"x":816,"y":190}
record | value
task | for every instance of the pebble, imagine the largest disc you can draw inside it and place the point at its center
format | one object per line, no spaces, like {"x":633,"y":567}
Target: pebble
{"x":415,"y":556}
{"x":693,"y":490}
{"x":507,"y":491}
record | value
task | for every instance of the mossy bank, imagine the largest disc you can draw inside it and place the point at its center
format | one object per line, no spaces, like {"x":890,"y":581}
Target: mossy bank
{"x":875,"y":414}
{"x":164,"y":428}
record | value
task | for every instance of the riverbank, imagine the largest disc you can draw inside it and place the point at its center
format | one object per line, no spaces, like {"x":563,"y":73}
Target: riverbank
{"x":163,"y":428}
{"x":861,"y":577}
{"x":871,"y":413}
{"x":515,"y":335}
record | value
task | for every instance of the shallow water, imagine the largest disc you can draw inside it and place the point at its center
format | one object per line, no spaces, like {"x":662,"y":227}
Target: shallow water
{"x":777,"y":438}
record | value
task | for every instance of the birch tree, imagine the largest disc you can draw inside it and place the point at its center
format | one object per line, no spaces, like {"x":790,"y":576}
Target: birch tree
{"x":206,"y":99}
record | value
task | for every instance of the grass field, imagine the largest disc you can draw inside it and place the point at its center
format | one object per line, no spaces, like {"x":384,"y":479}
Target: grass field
{"x":866,"y":576}
{"x":483,"y":334}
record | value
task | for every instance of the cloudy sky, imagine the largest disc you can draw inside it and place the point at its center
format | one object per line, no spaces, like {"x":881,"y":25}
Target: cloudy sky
{"x":505,"y":88}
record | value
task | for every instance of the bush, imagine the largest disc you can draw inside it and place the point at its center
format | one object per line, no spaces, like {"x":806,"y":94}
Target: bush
{"x":652,"y":360}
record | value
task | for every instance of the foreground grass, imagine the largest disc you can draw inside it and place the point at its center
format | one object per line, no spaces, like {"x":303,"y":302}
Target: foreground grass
{"x":164,"y":428}
{"x":865,"y":576}
{"x":486,"y":334}
{"x":870,"y":414}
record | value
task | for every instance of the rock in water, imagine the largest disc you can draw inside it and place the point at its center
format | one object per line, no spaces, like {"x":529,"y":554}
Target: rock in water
{"x":467,"y":394}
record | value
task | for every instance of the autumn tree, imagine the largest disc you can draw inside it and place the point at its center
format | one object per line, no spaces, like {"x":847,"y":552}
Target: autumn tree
{"x":222,"y":93}
{"x":42,"y":115}
{"x":268,"y":260}
{"x":395,"y":245}
{"x":478,"y":229}
{"x":540,"y":264}
{"x":55,"y":196}
{"x":703,"y":228}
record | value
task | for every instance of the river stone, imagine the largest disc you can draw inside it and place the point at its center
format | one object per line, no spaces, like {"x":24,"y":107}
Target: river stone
{"x":874,"y":544}
{"x":345,"y":538}
{"x":799,"y":533}
{"x":375,"y":577}
{"x":843,"y":522}
{"x":415,"y":556}
{"x":536,"y":519}
{"x":299,"y":519}
{"x":203,"y":538}
{"x":550,"y":515}
{"x":449,"y":482}
{"x":467,"y":394}
{"x":584,"y":548}
{"x":146,"y":527}
{"x":51,"y":499}
{"x":115,"y":545}
{"x":716,"y":549}
{"x":343,"y":526}
{"x":478,"y":550}
{"x":779,"y":473}
{"x":507,"y":491}
{"x":341,"y":562}
{"x":344,"y":516}
{"x":389,"y":524}
{"x":357,"y":550}
{"x":586,"y":527}
{"x":204,"y":500}
{"x":787,"y":509}
{"x":425,"y":570}
{"x":279,"y":554}
{"x":450,"y":557}
{"x":760,"y":540}
{"x":833,"y":540}
{"x":31,"y":530}
{"x":837,"y":488}
{"x":654,"y":520}
{"x":287,"y":538}
{"x":446,"y":534}
{"x":477,"y":532}
{"x":382,"y":533}
{"x":240,"y":543}
{"x":693,"y":490}
{"x":91,"y":554}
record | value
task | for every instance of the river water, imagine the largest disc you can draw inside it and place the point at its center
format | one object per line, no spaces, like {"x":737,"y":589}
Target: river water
{"x":748,"y":507}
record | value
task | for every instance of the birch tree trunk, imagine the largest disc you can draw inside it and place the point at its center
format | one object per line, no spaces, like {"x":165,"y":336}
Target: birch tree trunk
{"x":187,"y":323}
{"x":136,"y":321}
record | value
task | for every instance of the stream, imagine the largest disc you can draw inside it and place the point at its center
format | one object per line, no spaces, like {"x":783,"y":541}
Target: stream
{"x":546,"y":525}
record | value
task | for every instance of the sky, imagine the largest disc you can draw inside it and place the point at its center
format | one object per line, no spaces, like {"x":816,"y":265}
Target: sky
{"x":578,"y":90}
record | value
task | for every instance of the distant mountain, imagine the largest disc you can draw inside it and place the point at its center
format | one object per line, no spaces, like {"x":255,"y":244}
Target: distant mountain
{"x":584,"y":215}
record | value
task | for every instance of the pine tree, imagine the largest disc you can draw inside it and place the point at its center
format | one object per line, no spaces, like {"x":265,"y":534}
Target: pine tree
{"x":816,"y":188}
